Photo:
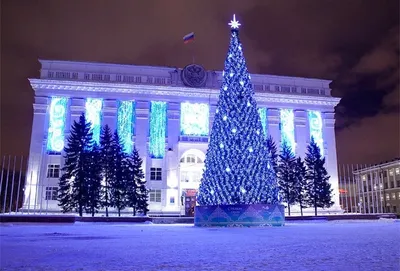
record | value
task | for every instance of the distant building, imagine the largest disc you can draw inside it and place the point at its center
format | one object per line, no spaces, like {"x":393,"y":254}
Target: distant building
{"x":168,"y":114}
{"x":378,"y":188}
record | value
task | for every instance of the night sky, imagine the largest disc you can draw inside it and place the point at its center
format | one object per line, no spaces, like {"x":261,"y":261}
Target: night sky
{"x":354,"y":43}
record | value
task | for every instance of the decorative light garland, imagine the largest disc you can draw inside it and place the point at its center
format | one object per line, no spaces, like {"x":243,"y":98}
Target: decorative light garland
{"x":194,"y":119}
{"x":125,"y":123}
{"x":263,"y":116}
{"x":57,"y":117}
{"x":287,"y":128}
{"x":93,"y":109}
{"x":316,"y":127}
{"x":158,"y":123}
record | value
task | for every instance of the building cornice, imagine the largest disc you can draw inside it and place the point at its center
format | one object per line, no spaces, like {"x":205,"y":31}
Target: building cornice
{"x":71,"y":88}
{"x":383,"y":165}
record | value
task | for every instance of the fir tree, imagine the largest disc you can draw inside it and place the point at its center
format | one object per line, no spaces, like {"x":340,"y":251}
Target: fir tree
{"x":118,"y":181}
{"x":107,"y":164}
{"x":73,"y":184}
{"x":94,"y":181}
{"x":319,"y":190}
{"x":236,"y":165}
{"x":136,"y":184}
{"x":301,"y":184}
{"x":286,"y":176}
{"x":272,"y":153}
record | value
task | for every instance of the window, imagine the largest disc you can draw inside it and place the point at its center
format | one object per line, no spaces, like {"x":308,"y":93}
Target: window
{"x":53,"y":171}
{"x":393,"y":195}
{"x":51,"y":192}
{"x":398,"y":195}
{"x":191,"y":158}
{"x":391,"y":172}
{"x":154,"y":195}
{"x":155,"y":174}
{"x":397,"y":171}
{"x":387,"y":197}
{"x":172,"y":200}
{"x":394,"y":209}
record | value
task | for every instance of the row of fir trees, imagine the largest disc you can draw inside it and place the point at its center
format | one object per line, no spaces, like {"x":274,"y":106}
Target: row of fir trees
{"x":305,"y":183}
{"x":100,"y":176}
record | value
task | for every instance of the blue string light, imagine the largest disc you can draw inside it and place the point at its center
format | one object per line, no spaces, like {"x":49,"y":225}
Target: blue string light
{"x":158,"y":123}
{"x":194,"y":119}
{"x":93,"y":115}
{"x":287,"y":128}
{"x":125,"y":123}
{"x":315,"y":122}
{"x":57,"y":117}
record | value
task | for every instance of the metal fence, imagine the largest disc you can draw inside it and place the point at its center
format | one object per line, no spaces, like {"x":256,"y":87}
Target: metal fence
{"x":356,"y":194}
{"x":367,"y":189}
{"x":12,"y":183}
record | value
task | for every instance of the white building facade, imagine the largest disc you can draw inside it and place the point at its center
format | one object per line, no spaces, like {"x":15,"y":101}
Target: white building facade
{"x":167,"y":113}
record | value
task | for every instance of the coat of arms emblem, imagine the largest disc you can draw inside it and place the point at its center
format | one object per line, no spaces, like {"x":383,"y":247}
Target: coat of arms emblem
{"x":194,"y":75}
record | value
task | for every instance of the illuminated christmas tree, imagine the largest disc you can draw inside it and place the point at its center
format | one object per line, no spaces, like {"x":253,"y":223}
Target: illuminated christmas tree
{"x":237,"y":167}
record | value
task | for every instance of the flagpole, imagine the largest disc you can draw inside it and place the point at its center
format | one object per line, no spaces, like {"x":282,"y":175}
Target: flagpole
{"x":188,"y":39}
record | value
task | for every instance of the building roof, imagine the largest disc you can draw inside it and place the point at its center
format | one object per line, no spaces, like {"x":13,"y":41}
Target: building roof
{"x":385,"y":164}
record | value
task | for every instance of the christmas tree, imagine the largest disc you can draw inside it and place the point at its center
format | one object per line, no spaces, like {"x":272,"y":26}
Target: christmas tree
{"x":272,"y":153}
{"x":94,"y":182}
{"x":136,"y":184}
{"x":107,"y":164}
{"x":118,"y":180}
{"x":73,"y":184}
{"x":319,"y":192}
{"x":237,"y":168}
{"x":287,"y":176}
{"x":301,"y":184}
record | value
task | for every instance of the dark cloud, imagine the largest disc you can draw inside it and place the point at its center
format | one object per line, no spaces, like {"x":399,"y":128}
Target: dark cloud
{"x":354,"y":43}
{"x":371,"y":86}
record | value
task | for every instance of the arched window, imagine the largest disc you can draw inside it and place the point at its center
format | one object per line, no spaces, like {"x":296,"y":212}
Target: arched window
{"x":191,"y":159}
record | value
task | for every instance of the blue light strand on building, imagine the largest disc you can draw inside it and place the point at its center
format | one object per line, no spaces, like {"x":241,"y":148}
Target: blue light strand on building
{"x":158,"y":123}
{"x":194,"y":119}
{"x":315,"y":123}
{"x":93,"y":108}
{"x":125,"y":123}
{"x":287,"y":128}
{"x":57,"y":117}
{"x":263,"y":116}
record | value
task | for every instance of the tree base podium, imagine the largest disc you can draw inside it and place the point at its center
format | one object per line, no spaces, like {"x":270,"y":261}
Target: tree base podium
{"x":240,"y":215}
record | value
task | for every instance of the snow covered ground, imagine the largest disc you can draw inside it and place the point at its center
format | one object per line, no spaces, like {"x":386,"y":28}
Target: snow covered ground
{"x":341,"y":245}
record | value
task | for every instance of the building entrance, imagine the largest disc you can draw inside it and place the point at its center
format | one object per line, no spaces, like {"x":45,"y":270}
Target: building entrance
{"x":190,"y":201}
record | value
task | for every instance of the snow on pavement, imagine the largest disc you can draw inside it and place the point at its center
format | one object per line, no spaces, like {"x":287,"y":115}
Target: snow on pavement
{"x":337,"y":245}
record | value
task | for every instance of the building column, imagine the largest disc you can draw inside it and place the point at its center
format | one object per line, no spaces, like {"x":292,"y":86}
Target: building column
{"x":302,"y":133}
{"x":36,"y":152}
{"x":273,"y":123}
{"x":76,"y":108}
{"x":330,"y":156}
{"x":109,"y":114}
{"x":171,"y":165}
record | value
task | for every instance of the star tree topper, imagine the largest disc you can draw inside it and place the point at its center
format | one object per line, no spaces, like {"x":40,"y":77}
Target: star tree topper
{"x":234,"y":24}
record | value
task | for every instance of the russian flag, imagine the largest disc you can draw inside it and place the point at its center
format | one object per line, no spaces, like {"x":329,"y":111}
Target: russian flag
{"x":188,"y":38}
